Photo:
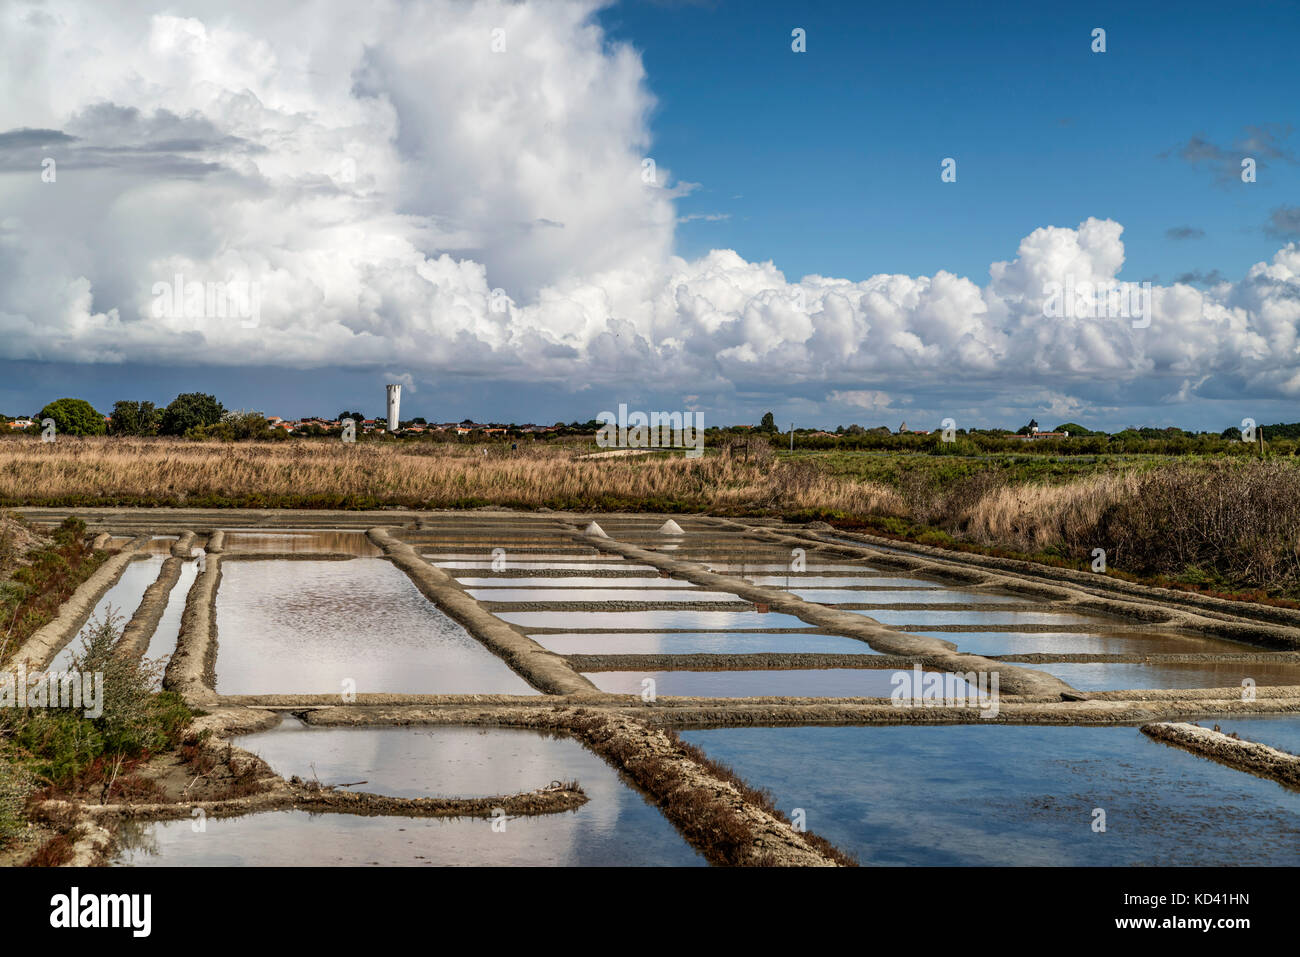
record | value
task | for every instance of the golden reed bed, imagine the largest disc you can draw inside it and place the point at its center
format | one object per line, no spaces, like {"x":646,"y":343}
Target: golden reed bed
{"x":305,"y":473}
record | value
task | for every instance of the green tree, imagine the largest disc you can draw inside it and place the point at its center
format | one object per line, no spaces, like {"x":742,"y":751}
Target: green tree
{"x":1075,"y":429}
{"x":235,"y":426}
{"x":768,"y":424}
{"x":134,"y":418}
{"x":73,"y":417}
{"x":190,"y":410}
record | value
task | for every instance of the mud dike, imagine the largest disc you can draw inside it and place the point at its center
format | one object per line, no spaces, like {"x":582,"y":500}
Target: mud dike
{"x":619,"y":631}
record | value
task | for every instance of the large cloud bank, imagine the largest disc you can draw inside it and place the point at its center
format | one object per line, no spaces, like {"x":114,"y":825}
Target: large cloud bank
{"x":379,"y":169}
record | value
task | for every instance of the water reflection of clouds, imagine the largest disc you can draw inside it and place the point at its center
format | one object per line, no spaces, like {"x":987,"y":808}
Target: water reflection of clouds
{"x":305,"y":627}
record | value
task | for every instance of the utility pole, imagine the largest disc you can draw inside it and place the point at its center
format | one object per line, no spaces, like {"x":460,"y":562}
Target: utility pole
{"x":791,"y":436}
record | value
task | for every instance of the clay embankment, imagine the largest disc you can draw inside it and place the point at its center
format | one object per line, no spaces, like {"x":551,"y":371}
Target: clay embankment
{"x":543,"y":669}
{"x":1248,"y":756}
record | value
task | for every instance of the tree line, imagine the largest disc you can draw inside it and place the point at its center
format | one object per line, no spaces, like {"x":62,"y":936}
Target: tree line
{"x":184,"y":414}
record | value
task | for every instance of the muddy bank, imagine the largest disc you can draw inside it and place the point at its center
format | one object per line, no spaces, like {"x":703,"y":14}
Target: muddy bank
{"x":49,"y":639}
{"x":543,"y":669}
{"x":139,"y":630}
{"x":192,"y":668}
{"x":880,"y":637}
{"x":1275,"y":693}
{"x":296,"y":794}
{"x":184,"y":545}
{"x":1257,"y":759}
{"x":720,"y":712}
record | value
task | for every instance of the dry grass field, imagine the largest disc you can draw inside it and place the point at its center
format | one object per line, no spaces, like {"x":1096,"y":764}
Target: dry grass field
{"x":144,"y":472}
{"x":1214,"y":522}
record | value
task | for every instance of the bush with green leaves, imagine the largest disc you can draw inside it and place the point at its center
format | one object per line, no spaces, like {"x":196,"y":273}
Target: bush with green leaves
{"x":73,"y":417}
{"x":15,"y":785}
{"x":191,"y":410}
{"x":134,"y":418}
{"x":237,"y":427}
{"x":57,"y":745}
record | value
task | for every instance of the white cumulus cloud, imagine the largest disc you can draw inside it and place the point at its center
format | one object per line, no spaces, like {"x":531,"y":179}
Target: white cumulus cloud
{"x":400,"y":192}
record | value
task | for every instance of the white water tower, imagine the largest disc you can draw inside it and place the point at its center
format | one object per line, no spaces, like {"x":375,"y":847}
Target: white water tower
{"x":394,"y":402}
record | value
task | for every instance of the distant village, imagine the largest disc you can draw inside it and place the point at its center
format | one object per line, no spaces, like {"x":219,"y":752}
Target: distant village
{"x":198,"y":415}
{"x":317,"y":425}
{"x":314,"y":425}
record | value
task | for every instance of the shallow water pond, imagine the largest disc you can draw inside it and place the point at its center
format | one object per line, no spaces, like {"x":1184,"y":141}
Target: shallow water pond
{"x":977,"y":617}
{"x":600,"y":594}
{"x":160,"y":545}
{"x":937,"y":597}
{"x":686,"y":619}
{"x":1120,"y":677}
{"x":1114,"y":643}
{"x":770,"y":568}
{"x":700,"y":643}
{"x":163,"y":640}
{"x":123,"y":598}
{"x":799,"y":683}
{"x":841,"y":581}
{"x":575,"y":581}
{"x":485,"y":562}
{"x":307,"y":627}
{"x":1007,"y":795}
{"x":300,"y":540}
{"x":617,"y":826}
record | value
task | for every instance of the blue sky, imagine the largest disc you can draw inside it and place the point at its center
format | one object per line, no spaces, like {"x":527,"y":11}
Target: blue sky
{"x":834,"y":155}
{"x":205,"y":136}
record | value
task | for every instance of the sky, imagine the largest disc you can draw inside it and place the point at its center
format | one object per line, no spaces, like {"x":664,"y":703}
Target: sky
{"x":539,"y":211}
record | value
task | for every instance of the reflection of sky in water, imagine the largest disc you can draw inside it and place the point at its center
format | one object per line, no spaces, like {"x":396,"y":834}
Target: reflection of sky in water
{"x":771,"y":568}
{"x":575,"y":581}
{"x":1010,"y":642}
{"x":616,"y":826}
{"x":1119,"y":677}
{"x":300,"y":540}
{"x":977,"y":617}
{"x":124,"y":598}
{"x":599,"y":594}
{"x":304,"y":627}
{"x":163,"y":641}
{"x":521,"y":558}
{"x":1008,"y":795}
{"x":688,"y":618}
{"x":836,"y":596}
{"x":819,"y":682}
{"x":699,"y":643}
{"x":839,"y":581}
{"x":160,"y":545}
{"x":515,"y":564}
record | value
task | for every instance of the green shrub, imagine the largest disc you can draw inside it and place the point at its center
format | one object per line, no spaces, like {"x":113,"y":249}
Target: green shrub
{"x":60,"y":745}
{"x":73,"y":417}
